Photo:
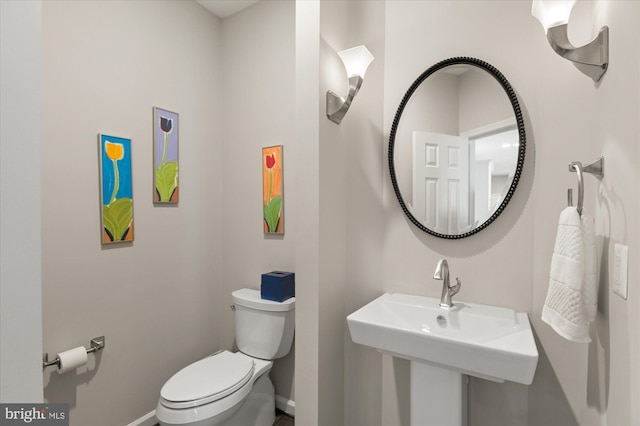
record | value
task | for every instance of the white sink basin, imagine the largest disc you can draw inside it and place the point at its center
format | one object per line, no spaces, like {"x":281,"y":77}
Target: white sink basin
{"x":484,"y":341}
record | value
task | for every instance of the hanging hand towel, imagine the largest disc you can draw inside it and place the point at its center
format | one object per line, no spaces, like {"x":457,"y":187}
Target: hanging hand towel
{"x":590,"y":285}
{"x":573,"y":287}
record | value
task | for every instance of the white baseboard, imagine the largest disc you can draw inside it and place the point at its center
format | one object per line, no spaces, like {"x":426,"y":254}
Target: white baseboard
{"x":282,"y":404}
{"x":148,"y":419}
{"x":286,"y":405}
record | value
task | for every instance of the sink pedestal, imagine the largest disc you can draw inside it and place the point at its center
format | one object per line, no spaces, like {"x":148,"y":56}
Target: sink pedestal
{"x":438,"y":396}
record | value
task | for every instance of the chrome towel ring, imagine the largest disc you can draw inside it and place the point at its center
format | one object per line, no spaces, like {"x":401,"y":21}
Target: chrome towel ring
{"x":596,"y":168}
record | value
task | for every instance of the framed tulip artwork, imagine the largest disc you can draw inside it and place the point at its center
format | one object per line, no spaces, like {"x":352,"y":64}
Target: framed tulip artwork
{"x":272,"y":190}
{"x":166,"y":128}
{"x":116,"y":189}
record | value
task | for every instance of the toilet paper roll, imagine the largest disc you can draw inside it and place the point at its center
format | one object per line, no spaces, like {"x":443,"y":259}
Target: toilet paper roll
{"x":71,"y":359}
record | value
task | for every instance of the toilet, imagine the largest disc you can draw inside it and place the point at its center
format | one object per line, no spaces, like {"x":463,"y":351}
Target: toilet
{"x":233,"y":388}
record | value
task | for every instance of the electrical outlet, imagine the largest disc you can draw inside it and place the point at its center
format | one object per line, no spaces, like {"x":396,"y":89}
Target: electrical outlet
{"x":620,"y":268}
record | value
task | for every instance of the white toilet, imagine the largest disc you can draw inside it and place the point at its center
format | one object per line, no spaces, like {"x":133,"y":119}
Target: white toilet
{"x":233,"y":389}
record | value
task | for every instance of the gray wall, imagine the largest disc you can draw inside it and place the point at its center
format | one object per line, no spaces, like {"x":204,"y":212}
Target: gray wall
{"x":307,"y":101}
{"x":568,"y":119}
{"x":20,"y":202}
{"x":363,"y":145}
{"x":339,"y":176}
{"x":105,"y":65}
{"x":258,"y":98}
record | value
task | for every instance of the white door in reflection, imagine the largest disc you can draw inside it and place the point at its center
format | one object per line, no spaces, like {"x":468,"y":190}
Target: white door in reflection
{"x":441,"y":181}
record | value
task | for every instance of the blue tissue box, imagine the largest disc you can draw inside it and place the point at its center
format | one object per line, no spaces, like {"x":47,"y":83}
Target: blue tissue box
{"x":278,"y":286}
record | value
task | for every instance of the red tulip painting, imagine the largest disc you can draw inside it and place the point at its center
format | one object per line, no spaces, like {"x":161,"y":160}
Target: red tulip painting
{"x":165,"y":156}
{"x":272,"y":190}
{"x":116,"y":189}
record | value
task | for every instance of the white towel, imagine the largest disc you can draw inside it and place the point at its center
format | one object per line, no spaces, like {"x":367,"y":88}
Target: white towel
{"x":572,"y":297}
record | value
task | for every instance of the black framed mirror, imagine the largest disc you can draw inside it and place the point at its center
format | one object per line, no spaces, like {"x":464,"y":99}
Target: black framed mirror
{"x":457,"y":148}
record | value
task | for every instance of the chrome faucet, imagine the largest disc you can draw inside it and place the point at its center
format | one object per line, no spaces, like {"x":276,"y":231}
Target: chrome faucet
{"x":442,"y":273}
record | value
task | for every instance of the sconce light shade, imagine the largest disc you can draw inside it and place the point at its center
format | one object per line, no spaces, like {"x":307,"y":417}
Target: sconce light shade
{"x":356,"y":61}
{"x":552,"y":13}
{"x":591,"y":59}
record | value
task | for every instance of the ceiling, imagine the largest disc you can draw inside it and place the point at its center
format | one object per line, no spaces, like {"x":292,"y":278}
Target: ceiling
{"x":224,"y":8}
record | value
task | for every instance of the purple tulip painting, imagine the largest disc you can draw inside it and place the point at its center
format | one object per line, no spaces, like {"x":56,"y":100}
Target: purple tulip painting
{"x":165,"y":156}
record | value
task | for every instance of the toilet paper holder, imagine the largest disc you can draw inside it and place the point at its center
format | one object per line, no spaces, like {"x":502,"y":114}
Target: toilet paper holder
{"x":97,"y":343}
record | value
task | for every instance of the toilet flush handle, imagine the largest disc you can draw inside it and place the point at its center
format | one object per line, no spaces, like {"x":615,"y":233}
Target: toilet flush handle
{"x":232,"y":307}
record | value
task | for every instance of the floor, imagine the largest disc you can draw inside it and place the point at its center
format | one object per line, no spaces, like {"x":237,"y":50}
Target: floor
{"x":283,"y":419}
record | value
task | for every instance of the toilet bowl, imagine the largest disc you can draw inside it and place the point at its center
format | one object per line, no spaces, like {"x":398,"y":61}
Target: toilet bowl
{"x":212,"y":391}
{"x":233,"y":389}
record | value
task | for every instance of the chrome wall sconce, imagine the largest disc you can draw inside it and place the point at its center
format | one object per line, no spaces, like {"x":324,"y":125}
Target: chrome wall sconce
{"x":591,"y":59}
{"x":356,"y":60}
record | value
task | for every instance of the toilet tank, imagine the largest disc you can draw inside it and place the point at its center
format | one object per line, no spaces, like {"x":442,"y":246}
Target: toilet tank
{"x":264,"y":329}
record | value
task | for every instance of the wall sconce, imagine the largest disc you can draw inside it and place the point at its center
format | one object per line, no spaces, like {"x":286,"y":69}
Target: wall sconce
{"x":356,"y":60}
{"x":591,"y":59}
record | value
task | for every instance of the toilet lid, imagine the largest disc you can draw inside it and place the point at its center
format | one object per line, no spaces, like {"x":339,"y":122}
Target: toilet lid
{"x":209,"y":379}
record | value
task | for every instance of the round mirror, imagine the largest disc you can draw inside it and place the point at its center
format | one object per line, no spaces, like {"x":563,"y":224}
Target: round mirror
{"x":456,"y":148}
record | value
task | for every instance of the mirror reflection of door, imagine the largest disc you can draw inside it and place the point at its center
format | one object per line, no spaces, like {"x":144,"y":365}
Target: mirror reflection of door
{"x":492,"y":149}
{"x":456,"y":147}
{"x":441,"y":181}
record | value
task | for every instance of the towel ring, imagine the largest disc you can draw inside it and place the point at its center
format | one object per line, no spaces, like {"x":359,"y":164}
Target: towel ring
{"x":577,"y":167}
{"x":596,"y":168}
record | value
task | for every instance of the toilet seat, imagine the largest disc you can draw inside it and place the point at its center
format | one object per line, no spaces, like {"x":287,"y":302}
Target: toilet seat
{"x":207,"y":380}
{"x":220,"y":405}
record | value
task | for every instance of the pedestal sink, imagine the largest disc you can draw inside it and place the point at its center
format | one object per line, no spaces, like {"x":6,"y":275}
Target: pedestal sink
{"x":444,"y":345}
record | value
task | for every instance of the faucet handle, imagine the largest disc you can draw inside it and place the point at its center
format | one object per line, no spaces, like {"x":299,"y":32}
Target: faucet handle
{"x":453,"y":290}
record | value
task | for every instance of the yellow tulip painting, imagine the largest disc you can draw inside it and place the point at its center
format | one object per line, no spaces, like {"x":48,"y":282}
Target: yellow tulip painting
{"x":116,"y":189}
